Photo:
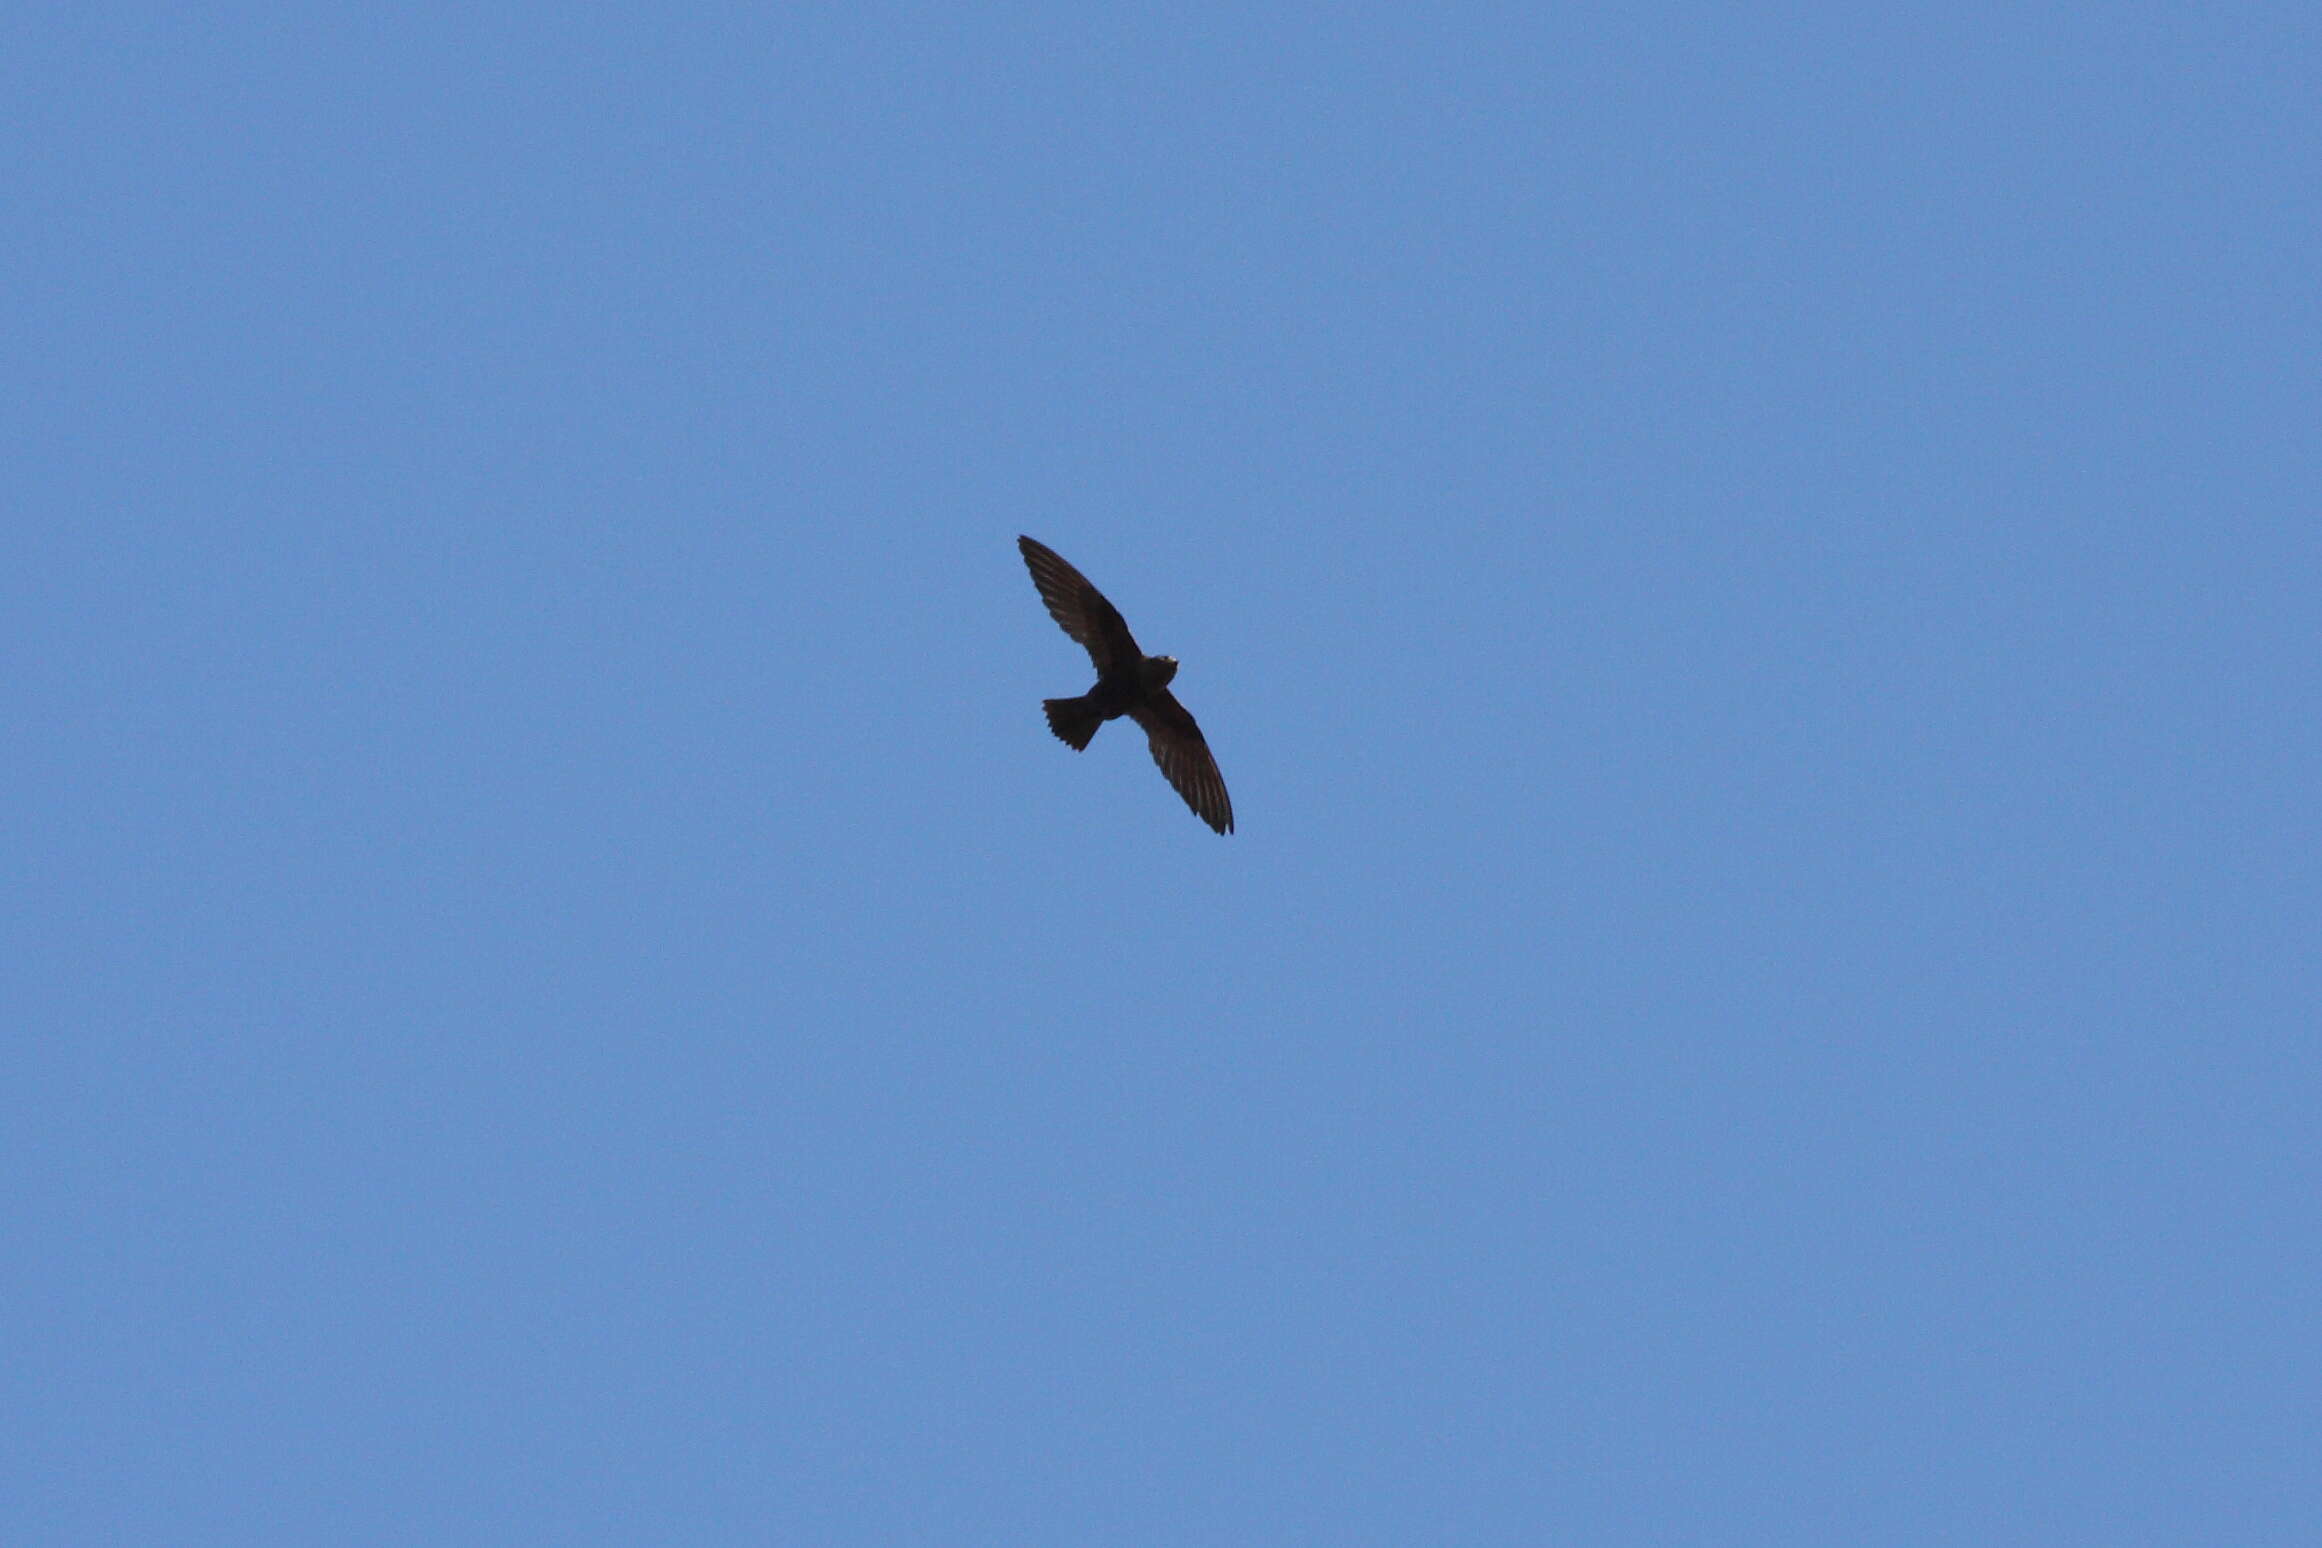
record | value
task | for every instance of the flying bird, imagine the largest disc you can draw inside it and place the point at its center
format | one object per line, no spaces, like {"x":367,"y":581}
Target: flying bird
{"x":1130,"y":683}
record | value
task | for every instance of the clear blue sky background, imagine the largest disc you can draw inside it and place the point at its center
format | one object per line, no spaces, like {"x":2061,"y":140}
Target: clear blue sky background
{"x":1753,"y":575}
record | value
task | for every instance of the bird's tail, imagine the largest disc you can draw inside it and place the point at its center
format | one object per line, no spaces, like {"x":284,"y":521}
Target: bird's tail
{"x":1073,"y":721}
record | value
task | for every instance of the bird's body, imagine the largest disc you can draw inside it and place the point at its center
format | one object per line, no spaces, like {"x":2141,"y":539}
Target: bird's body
{"x":1130,"y":683}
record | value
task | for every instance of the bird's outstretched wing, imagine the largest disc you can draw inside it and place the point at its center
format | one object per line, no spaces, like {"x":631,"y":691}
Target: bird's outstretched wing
{"x":1082,"y":610}
{"x":1184,"y":757}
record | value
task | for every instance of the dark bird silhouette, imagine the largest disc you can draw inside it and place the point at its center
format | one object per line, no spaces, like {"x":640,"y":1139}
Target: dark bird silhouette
{"x":1130,"y":683}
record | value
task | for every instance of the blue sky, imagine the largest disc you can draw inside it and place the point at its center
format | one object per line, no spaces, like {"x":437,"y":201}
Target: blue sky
{"x":1753,"y":578}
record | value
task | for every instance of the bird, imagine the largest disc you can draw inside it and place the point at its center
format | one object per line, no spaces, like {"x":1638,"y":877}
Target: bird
{"x":1130,"y":683}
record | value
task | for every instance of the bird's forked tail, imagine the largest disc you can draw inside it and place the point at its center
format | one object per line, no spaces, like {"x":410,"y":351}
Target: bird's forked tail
{"x":1073,"y":721}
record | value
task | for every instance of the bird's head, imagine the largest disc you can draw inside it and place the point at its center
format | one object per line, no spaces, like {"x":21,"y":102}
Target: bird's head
{"x":1158,"y":671}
